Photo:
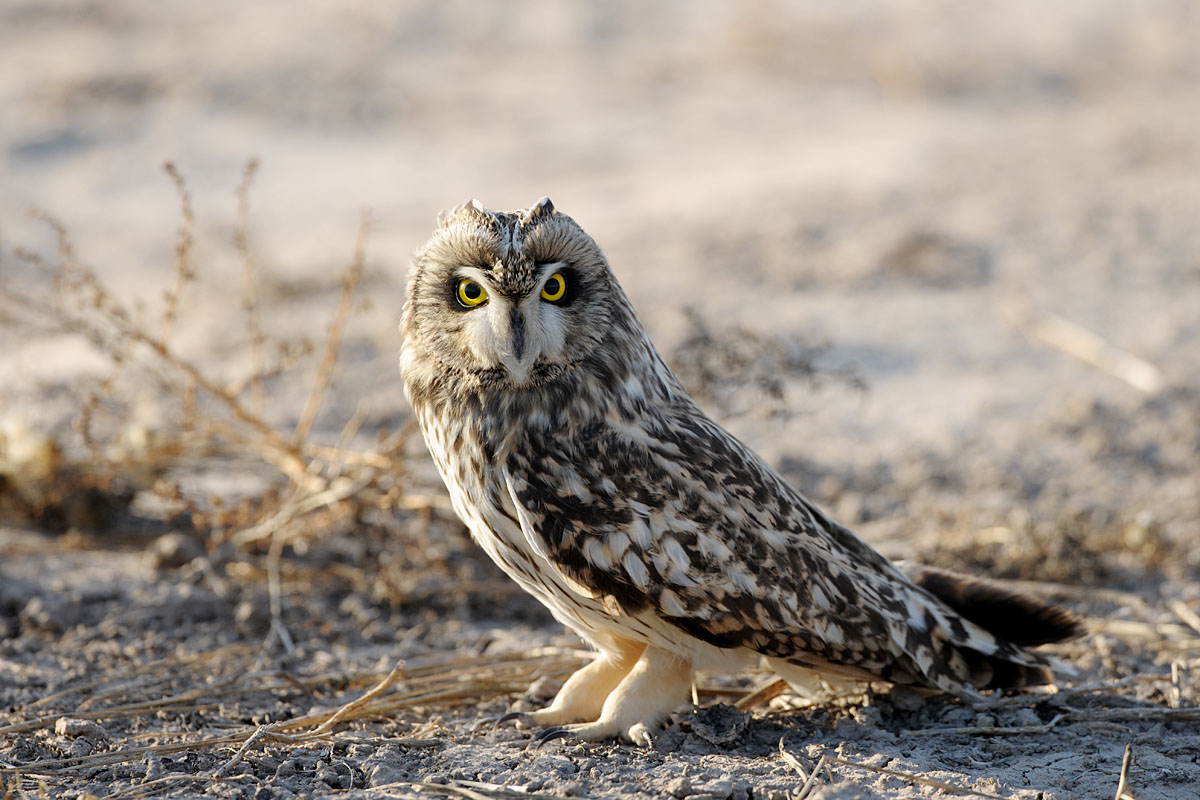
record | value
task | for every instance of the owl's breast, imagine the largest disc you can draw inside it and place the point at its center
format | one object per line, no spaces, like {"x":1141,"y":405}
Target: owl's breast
{"x":480,"y":497}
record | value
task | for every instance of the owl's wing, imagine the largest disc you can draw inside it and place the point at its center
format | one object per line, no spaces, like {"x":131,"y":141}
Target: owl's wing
{"x":682,"y":520}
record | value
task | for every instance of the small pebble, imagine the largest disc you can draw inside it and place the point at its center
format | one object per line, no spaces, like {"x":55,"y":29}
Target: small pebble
{"x":73,"y":728}
{"x":382,"y":773}
{"x":543,"y":688}
{"x":680,"y":787}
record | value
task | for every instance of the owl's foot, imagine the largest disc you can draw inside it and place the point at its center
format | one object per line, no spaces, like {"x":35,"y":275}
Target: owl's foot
{"x":657,"y":684}
{"x":582,"y":697}
{"x":597,"y":731}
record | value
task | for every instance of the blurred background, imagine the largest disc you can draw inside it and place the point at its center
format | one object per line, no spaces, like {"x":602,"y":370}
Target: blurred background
{"x":877,"y":212}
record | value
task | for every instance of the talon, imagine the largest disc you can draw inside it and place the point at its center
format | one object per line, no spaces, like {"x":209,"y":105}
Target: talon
{"x":509,"y":717}
{"x":479,"y":723}
{"x":549,"y":735}
{"x":641,"y":736}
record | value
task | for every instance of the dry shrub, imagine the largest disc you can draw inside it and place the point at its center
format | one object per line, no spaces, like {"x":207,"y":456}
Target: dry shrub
{"x":112,"y":475}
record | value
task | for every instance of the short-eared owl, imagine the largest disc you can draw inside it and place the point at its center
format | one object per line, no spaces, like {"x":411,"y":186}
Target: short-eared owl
{"x":585,"y":471}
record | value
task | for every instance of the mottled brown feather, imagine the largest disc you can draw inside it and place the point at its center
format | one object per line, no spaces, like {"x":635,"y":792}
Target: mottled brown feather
{"x":597,"y":484}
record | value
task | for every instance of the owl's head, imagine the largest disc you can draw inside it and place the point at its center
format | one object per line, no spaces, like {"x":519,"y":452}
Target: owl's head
{"x":506,"y":298}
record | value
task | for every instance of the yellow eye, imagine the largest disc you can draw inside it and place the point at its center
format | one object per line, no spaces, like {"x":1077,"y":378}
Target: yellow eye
{"x":555,"y":288}
{"x":470,"y":293}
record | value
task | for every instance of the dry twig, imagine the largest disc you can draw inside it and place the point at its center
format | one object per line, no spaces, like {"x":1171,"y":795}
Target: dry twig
{"x":809,"y":778}
{"x":183,"y":249}
{"x":827,"y":759}
{"x":249,"y":271}
{"x":473,"y":790}
{"x":1185,"y":613}
{"x":989,"y":730}
{"x":1078,"y":342}
{"x":1123,"y":782}
{"x":908,"y":776}
{"x":762,"y":695}
{"x":360,"y":702}
{"x":448,"y":680}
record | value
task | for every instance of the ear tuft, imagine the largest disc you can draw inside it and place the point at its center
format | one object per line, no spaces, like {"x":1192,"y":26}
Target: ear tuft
{"x":542,"y":208}
{"x":472,"y":207}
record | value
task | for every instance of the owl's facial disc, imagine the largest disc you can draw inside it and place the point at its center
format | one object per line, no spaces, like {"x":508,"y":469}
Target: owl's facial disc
{"x":516,"y":334}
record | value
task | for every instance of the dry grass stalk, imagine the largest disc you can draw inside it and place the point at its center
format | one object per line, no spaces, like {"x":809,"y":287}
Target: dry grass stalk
{"x":250,"y":278}
{"x":811,"y":781}
{"x":303,"y":502}
{"x":355,"y":705}
{"x":99,"y":317}
{"x":810,"y":778}
{"x":1123,"y":781}
{"x":1153,"y":714}
{"x":258,"y":735}
{"x":1185,"y":613}
{"x":167,"y":781}
{"x":217,"y":419}
{"x":183,"y":249}
{"x":988,"y":730}
{"x":1088,"y":688}
{"x":1177,"y":671}
{"x":473,"y":790}
{"x":278,"y":630}
{"x":447,"y":681}
{"x":912,"y":778}
{"x":762,"y":695}
{"x":1084,"y":345}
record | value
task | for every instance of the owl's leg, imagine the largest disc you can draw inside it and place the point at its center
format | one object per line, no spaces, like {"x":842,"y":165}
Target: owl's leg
{"x":659,"y":682}
{"x":582,"y":697}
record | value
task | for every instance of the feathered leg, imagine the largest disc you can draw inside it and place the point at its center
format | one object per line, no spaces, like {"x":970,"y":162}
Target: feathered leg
{"x":582,"y":697}
{"x":659,"y":682}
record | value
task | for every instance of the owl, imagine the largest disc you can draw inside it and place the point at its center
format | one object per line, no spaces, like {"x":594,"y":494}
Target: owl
{"x":586,"y":472}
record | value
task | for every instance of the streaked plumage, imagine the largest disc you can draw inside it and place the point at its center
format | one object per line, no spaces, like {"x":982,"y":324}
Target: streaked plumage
{"x":585,"y":471}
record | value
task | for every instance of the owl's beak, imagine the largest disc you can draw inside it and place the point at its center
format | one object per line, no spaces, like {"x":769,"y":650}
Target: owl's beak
{"x":515,"y":345}
{"x":517,"y":325}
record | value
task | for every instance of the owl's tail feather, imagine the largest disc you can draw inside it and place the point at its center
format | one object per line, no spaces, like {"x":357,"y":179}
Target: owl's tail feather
{"x":1010,"y":616}
{"x":1014,"y":617}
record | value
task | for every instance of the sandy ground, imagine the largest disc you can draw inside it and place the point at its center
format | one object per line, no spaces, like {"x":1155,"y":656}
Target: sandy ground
{"x":948,"y":212}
